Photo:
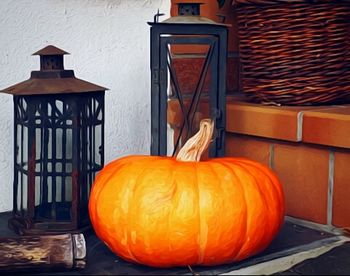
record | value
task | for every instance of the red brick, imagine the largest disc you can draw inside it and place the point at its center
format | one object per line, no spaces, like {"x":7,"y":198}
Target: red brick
{"x":277,"y":122}
{"x":249,"y":147}
{"x":264,"y":121}
{"x":341,"y":191}
{"x":328,"y":126}
{"x":303,"y":171}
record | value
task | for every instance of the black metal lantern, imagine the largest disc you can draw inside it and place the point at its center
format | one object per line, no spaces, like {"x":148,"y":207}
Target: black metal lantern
{"x":191,"y":30}
{"x":58,"y":147}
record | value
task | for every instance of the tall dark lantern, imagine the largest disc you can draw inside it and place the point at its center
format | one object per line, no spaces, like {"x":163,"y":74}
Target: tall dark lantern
{"x":190,"y":30}
{"x":58,"y":147}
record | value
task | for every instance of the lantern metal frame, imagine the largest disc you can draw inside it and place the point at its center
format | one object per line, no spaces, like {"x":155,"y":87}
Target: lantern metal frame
{"x":187,"y":30}
{"x":58,"y":147}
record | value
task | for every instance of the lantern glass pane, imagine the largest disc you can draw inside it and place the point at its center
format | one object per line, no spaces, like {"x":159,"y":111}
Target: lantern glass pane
{"x":59,"y":142}
{"x":59,"y":107}
{"x":90,"y":147}
{"x":49,"y":110}
{"x":24,"y":160}
{"x":19,"y":143}
{"x":37,"y":191}
{"x":49,"y":144}
{"x":18,"y":196}
{"x":69,"y":167}
{"x":58,"y":189}
{"x":62,"y":206}
{"x":188,"y":88}
{"x":68,"y":188}
{"x":99,"y":115}
{"x":37,"y":167}
{"x":170,"y":140}
{"x":49,"y":189}
{"x":38,"y":144}
{"x":58,"y":168}
{"x":69,"y":143}
{"x":24,"y":104}
{"x":25,"y":193}
{"x":98,"y":144}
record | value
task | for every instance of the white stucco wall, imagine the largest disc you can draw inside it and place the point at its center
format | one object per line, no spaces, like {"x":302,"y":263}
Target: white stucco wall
{"x":109,"y":45}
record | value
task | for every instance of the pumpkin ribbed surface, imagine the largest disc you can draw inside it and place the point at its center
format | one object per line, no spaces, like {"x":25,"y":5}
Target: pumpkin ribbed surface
{"x":163,"y":212}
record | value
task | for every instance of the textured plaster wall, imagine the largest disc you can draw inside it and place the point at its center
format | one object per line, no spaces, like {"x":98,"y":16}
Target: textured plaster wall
{"x":109,"y":45}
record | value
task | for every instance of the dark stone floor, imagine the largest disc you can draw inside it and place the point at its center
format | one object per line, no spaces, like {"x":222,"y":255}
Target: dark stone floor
{"x":334,"y":262}
{"x":291,"y":239}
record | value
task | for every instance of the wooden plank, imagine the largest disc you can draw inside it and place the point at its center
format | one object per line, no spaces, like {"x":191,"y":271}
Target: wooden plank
{"x":49,"y":252}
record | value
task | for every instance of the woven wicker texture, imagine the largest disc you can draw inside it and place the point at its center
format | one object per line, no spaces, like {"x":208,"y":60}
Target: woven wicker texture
{"x":295,"y":52}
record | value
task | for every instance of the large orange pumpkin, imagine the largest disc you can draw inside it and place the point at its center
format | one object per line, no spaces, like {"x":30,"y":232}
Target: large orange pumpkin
{"x":163,"y":212}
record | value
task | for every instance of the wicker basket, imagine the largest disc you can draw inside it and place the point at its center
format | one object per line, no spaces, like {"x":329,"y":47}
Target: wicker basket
{"x":295,"y":52}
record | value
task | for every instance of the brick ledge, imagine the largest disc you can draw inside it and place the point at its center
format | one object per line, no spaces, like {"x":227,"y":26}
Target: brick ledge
{"x":323,"y":125}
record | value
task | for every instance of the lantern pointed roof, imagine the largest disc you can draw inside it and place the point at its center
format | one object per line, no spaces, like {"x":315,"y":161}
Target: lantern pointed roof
{"x":50,"y":50}
{"x":52,"y":78}
{"x":190,"y":19}
{"x":37,"y":86}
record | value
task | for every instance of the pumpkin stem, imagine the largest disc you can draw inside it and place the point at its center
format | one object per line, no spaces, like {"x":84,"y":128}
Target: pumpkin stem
{"x":197,"y":144}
